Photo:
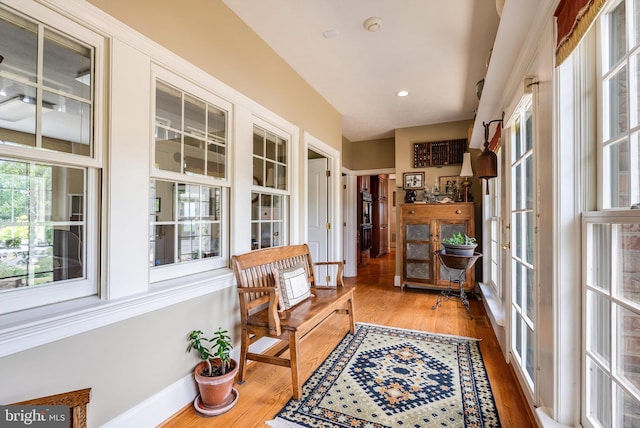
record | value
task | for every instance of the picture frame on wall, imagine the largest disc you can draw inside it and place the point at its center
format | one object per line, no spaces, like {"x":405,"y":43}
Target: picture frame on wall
{"x":413,"y":180}
{"x":448,"y":183}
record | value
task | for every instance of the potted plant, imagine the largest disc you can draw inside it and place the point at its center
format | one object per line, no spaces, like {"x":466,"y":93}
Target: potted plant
{"x":459,"y":245}
{"x":216,"y":373}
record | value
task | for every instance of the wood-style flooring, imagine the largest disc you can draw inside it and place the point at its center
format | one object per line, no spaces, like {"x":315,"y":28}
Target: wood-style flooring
{"x":377,"y":301}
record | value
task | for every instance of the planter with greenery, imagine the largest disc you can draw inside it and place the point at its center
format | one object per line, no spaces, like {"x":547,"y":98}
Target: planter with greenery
{"x":459,"y":245}
{"x":215,"y":375}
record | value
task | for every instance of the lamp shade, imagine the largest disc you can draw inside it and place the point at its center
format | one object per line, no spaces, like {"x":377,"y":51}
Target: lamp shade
{"x":466,"y":170}
{"x":487,"y":163}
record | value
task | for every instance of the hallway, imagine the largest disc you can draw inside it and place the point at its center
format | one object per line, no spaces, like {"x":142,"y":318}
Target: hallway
{"x":377,"y":301}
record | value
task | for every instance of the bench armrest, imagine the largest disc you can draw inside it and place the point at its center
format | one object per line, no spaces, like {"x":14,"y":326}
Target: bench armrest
{"x":340,"y":265}
{"x":272,"y":311}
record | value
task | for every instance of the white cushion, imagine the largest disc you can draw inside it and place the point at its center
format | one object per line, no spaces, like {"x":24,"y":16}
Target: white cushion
{"x":293,"y":286}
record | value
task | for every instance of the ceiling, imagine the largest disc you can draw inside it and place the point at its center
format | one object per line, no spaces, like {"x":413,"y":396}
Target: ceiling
{"x":436,"y":50}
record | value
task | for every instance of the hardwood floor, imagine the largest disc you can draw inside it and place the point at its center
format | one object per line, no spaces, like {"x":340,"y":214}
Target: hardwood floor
{"x":377,"y":301}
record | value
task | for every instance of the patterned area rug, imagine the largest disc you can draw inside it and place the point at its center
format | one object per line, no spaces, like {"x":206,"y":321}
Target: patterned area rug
{"x":389,"y":377}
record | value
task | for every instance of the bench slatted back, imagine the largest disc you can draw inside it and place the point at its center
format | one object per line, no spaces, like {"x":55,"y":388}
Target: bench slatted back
{"x":256,"y":269}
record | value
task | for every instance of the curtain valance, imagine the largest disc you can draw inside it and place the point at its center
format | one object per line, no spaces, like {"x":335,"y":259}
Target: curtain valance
{"x":574,"y":17}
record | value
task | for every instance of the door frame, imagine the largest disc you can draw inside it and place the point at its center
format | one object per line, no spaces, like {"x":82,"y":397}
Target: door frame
{"x":334,"y":239}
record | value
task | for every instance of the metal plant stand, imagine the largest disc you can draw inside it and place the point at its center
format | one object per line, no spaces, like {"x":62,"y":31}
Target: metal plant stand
{"x":460,"y":264}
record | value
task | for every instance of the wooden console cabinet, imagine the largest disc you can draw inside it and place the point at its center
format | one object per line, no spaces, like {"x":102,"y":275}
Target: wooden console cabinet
{"x":422,"y":228}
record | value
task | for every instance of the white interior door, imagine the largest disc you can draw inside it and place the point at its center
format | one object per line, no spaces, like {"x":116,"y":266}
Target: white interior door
{"x":318,"y":215}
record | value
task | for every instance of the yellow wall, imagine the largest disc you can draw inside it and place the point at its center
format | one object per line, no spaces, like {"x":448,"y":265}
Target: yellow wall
{"x":372,"y":154}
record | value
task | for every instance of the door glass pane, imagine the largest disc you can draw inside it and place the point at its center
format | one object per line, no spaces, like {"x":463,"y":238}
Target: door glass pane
{"x":528,"y":236}
{"x":530,"y":293}
{"x":530,"y":358}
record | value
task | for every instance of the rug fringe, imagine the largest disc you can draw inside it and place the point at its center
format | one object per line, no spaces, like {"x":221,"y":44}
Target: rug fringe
{"x":419,"y":331}
{"x":282,"y":423}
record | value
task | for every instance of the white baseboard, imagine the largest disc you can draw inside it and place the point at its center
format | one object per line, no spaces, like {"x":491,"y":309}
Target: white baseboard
{"x":396,"y":281}
{"x":158,"y":408}
{"x":166,"y":403}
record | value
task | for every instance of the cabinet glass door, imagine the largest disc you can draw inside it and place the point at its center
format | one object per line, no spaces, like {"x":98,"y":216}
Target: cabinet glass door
{"x":418,"y":252}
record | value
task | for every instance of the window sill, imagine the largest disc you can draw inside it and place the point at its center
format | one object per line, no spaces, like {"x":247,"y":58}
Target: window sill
{"x":493,"y":304}
{"x":27,"y":329}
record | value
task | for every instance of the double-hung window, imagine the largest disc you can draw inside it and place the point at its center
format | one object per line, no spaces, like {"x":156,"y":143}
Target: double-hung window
{"x":50,"y":161}
{"x":611,"y":235}
{"x":189,"y":180}
{"x":270,"y":195}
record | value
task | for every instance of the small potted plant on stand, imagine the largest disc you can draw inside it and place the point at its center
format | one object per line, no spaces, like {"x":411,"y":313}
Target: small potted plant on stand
{"x":459,"y":245}
{"x":216,"y":373}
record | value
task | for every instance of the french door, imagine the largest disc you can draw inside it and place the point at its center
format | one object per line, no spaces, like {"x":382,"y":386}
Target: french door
{"x":523,"y":243}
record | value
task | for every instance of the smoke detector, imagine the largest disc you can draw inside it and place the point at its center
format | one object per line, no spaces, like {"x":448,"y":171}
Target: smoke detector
{"x":373,"y":24}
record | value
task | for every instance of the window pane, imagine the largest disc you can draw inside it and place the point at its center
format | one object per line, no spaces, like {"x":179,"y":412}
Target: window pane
{"x":598,"y":326}
{"x":617,"y":34}
{"x":517,"y":186}
{"x":282,"y":150}
{"x":528,"y":170}
{"x":271,"y":146}
{"x":168,"y":150}
{"x":282,"y":177}
{"x":616,"y":174}
{"x":216,"y":158}
{"x":162,"y":244}
{"x":599,"y":256}
{"x":168,"y":106}
{"x":33,"y":250}
{"x":66,"y":125}
{"x":529,"y":360}
{"x":599,"y":395}
{"x":628,"y":345}
{"x":271,"y":171}
{"x":18,"y":113}
{"x":194,"y":116}
{"x":66,"y":65}
{"x":20,"y":46}
{"x":627,"y":412}
{"x":628,"y":267}
{"x":258,"y":171}
{"x":617,"y":103}
{"x":216,"y":124}
{"x":193,"y":156}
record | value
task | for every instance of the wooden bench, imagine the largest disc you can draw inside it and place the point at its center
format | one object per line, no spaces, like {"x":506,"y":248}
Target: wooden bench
{"x":259,"y":307}
{"x":76,"y":400}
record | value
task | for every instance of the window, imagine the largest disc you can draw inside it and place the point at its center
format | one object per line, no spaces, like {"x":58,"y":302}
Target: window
{"x":492,"y":204}
{"x":611,"y":248}
{"x":620,"y":82}
{"x":523,"y":267}
{"x":49,"y":163}
{"x":189,"y":183}
{"x":269,"y":199}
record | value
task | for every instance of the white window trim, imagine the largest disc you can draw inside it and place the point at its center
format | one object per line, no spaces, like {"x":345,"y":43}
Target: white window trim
{"x":55,"y":293}
{"x":27,"y":329}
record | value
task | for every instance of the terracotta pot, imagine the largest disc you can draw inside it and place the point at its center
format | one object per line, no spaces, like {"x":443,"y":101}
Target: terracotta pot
{"x":215,"y":391}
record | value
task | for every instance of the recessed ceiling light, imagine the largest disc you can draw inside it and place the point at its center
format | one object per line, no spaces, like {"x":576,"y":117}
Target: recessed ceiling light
{"x":402,"y":93}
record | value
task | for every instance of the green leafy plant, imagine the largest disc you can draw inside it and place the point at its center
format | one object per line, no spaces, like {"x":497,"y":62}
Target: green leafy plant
{"x":220,"y":346}
{"x":459,"y":239}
